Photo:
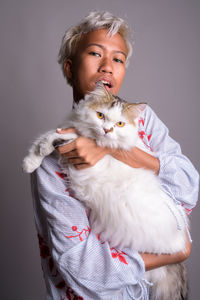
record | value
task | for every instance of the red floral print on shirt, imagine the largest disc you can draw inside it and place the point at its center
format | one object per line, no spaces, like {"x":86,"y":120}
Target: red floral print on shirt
{"x":81,"y":234}
{"x":46,"y":255}
{"x":61,"y":175}
{"x":114,"y":252}
{"x":99,"y":238}
{"x":71,"y":295}
{"x":144,"y":137}
{"x":44,"y":249}
{"x":141,"y":120}
{"x":64,"y":177}
{"x":149,"y":137}
{"x":119,"y":254}
{"x":188,"y":211}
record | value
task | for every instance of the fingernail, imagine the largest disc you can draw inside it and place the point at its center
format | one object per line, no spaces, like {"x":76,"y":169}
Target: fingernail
{"x":59,"y":129}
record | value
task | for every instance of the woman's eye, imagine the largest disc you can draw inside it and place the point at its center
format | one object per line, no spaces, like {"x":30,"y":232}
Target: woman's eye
{"x":100,"y":115}
{"x":94,"y":53}
{"x":118,"y":60}
{"x":120,"y":124}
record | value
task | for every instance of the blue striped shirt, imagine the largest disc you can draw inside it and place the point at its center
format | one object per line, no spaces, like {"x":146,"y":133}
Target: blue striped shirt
{"x":76,"y":264}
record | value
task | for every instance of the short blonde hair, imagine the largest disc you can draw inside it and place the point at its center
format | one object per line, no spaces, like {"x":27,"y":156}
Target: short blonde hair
{"x":93,"y":21}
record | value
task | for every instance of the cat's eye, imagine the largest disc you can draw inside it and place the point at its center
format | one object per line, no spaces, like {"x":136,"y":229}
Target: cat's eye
{"x":120,"y":124}
{"x":100,"y":115}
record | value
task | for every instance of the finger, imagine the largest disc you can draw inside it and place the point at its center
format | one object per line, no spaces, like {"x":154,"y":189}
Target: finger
{"x":82,"y":166}
{"x":66,"y":130}
{"x":67,"y":148}
{"x":70,"y":154}
{"x":76,"y":161}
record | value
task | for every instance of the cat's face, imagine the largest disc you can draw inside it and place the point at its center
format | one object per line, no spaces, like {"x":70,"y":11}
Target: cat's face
{"x":110,"y":121}
{"x":111,"y":127}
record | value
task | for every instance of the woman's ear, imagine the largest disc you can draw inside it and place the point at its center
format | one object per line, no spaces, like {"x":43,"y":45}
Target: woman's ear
{"x":68,"y":68}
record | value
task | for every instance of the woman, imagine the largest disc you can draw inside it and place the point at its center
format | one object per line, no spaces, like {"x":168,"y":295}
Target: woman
{"x":76,"y":264}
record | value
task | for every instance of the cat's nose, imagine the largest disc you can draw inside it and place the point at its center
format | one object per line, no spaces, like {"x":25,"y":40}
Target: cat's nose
{"x":106,"y":130}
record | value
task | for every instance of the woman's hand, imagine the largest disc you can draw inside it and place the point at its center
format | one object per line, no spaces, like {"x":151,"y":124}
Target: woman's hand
{"x":82,"y":152}
{"x":153,"y":261}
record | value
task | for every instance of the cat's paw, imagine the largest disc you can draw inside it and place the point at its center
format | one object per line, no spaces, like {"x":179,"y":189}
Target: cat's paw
{"x":45,"y":148}
{"x":29,"y":164}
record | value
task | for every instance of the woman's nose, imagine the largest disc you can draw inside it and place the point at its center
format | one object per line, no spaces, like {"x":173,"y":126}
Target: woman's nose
{"x":106,"y":66}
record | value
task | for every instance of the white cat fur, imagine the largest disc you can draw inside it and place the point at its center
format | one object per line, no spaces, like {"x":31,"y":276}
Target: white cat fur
{"x":128,"y":205}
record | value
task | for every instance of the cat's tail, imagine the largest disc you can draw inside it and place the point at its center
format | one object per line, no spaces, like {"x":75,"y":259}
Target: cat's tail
{"x":174,"y":285}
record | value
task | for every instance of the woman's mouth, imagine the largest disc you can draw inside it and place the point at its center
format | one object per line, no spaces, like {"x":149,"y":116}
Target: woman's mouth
{"x":107,"y":83}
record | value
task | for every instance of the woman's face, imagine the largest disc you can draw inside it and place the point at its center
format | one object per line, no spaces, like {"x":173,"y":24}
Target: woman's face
{"x":99,"y":57}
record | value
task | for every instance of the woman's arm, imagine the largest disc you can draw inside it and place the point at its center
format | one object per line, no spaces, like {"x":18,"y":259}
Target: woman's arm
{"x":84,"y":152}
{"x":153,"y":261}
{"x":69,"y":249}
{"x":137,"y":158}
{"x":177,"y":175}
{"x":60,"y":219}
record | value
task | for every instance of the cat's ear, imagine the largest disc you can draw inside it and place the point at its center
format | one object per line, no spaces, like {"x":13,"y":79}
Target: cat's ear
{"x":135,"y":109}
{"x":99,"y":92}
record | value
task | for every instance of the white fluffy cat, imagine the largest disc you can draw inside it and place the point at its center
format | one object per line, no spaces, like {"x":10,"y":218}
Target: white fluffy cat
{"x":128,"y":206}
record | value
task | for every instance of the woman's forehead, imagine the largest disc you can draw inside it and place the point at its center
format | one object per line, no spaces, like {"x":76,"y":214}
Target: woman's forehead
{"x":100,"y":38}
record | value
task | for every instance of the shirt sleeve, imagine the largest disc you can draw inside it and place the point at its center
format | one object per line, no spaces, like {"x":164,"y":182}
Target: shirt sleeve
{"x":177,"y":175}
{"x":89,"y":266}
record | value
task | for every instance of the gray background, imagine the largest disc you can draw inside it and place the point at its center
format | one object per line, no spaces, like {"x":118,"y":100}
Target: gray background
{"x":164,"y":71}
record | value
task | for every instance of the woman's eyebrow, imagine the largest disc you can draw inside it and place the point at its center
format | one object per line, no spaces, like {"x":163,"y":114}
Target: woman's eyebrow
{"x":102,"y":47}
